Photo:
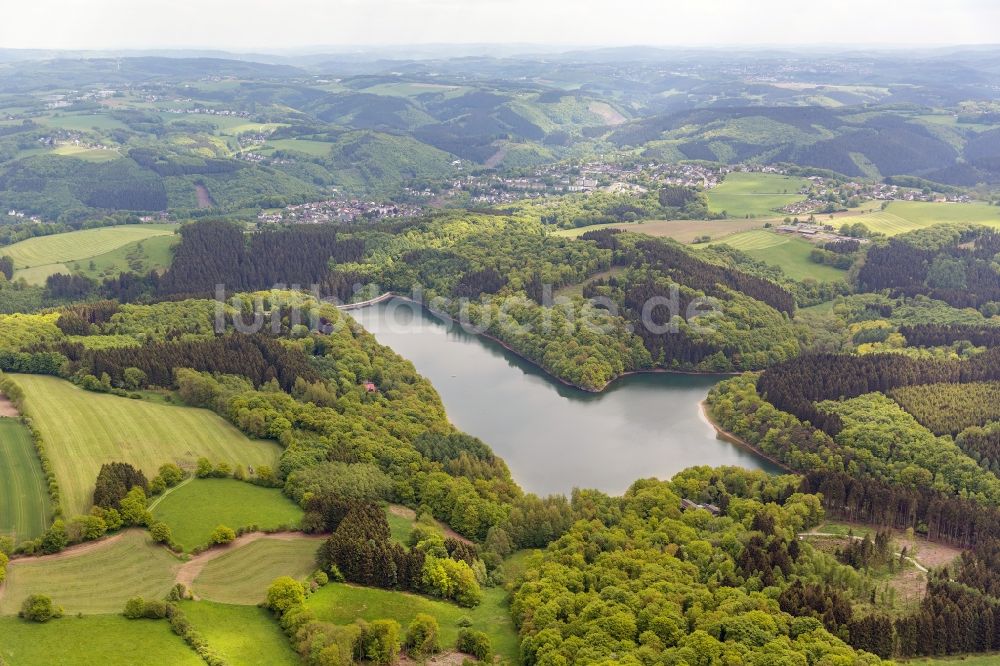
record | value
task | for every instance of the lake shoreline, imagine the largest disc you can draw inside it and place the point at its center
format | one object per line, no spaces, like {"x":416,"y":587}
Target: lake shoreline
{"x":565,"y":382}
{"x":739,"y":441}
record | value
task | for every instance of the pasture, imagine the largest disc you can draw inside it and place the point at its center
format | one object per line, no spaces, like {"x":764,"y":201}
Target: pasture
{"x":788,"y":252}
{"x":902,"y":216}
{"x":93,"y":640}
{"x":82,"y":122}
{"x":142,"y":256}
{"x":95,"y":578}
{"x":241,"y":634}
{"x":754,"y":194}
{"x":342,"y":604}
{"x":38,"y":274}
{"x":84,"y":153}
{"x":311,"y":148}
{"x":24,"y":497}
{"x":79,"y":245}
{"x":242,"y":574}
{"x":83,"y":430}
{"x":195,"y":509}
{"x":682,"y":231}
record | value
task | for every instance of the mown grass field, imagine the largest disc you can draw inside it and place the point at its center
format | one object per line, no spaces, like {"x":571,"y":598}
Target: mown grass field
{"x":241,"y":635}
{"x":963,"y":660}
{"x":24,"y":497}
{"x":94,"y":640}
{"x":682,"y":231}
{"x":313,"y":148}
{"x":241,"y":576}
{"x":93,"y":579}
{"x":44,"y":251}
{"x":82,"y":122}
{"x":88,"y":154}
{"x":757,"y":194}
{"x":195,"y":509}
{"x":83,"y":430}
{"x":902,"y":216}
{"x":342,"y":604}
{"x":39,"y":274}
{"x":142,"y":256}
{"x":788,"y":252}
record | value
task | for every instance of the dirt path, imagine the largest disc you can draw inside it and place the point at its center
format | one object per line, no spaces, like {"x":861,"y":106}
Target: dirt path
{"x":410,"y":514}
{"x":191,"y":569}
{"x":72,"y":551}
{"x":7,"y":408}
{"x":170,"y":490}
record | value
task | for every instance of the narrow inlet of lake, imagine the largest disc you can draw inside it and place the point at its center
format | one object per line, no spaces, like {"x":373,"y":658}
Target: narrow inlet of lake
{"x":554,"y":437}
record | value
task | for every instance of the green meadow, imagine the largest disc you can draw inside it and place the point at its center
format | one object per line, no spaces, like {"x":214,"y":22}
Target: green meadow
{"x":754,"y":194}
{"x":49,"y":254}
{"x":24,"y":497}
{"x":342,"y":604}
{"x":788,"y":252}
{"x":241,"y":635}
{"x":83,"y":430}
{"x":902,"y":216}
{"x":242,"y":575}
{"x":93,"y":640}
{"x":195,"y":509}
{"x":95,"y":578}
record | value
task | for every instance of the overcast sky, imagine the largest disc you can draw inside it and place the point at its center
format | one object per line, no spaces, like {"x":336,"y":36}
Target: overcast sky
{"x":303,"y":24}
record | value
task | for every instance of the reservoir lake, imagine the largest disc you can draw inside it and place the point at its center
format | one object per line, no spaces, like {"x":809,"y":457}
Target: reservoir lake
{"x":555,"y":437}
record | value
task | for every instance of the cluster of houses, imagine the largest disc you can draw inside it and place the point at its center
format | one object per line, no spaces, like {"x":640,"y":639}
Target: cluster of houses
{"x":337,"y":210}
{"x":21,"y":215}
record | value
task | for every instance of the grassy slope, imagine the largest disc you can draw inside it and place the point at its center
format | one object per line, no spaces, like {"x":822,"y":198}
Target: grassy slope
{"x":84,"y":430}
{"x":683,"y":231}
{"x":195,"y":509}
{"x":100,"y":640}
{"x":96,"y":578}
{"x":153,"y":253}
{"x":24,"y":497}
{"x":342,"y":604}
{"x":242,"y":635}
{"x":77,"y":245}
{"x":902,"y":216}
{"x":791,"y":253}
{"x":754,"y":194}
{"x":241,"y":576}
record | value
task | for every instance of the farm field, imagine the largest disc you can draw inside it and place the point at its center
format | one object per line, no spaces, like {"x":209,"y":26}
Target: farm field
{"x":241,"y":575}
{"x":82,"y":122}
{"x":242,"y":635}
{"x":84,"y":430}
{"x":313,"y":148}
{"x":24,"y":497}
{"x":84,"y":153}
{"x":682,"y":231}
{"x":342,"y":604}
{"x":38,"y":274}
{"x":95,"y":640}
{"x":788,"y":252}
{"x":153,"y":253}
{"x":95,"y":578}
{"x":194,"y":509}
{"x":78,"y":245}
{"x":902,"y":216}
{"x":756,"y":194}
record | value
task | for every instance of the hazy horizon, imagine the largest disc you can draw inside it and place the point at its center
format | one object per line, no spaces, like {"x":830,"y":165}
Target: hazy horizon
{"x":304,"y":26}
